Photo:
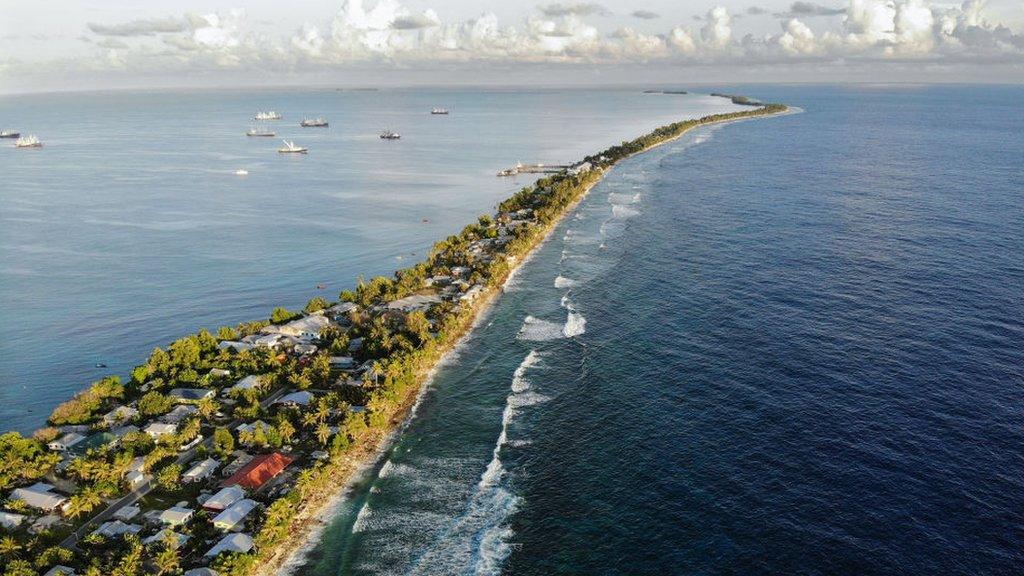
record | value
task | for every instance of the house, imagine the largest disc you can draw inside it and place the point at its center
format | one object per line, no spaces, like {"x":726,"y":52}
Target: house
{"x":233,"y":517}
{"x":300,"y":398}
{"x":355,"y":344}
{"x":413,"y":303}
{"x":581,"y":168}
{"x":115,"y":528}
{"x":231,"y":543}
{"x":180,"y":413}
{"x":219,"y":373}
{"x":164,"y":535}
{"x":44,"y":524}
{"x":247,"y":383}
{"x":126,"y":513}
{"x":320,"y":455}
{"x":341,"y":309}
{"x":259,"y":471}
{"x":158,"y":429}
{"x":251,"y":426}
{"x":11,"y":520}
{"x":343,"y":362}
{"x":309,"y":327}
{"x":200,"y":471}
{"x":304,"y":349}
{"x":121,"y":431}
{"x":176,"y":515}
{"x":241,"y":459}
{"x":120,"y":414}
{"x":134,"y":479}
{"x":65,"y":442}
{"x":224,"y":499}
{"x":201,"y":572}
{"x":472,"y":293}
{"x":459,"y":271}
{"x":235,"y":345}
{"x":40,"y":495}
{"x":268,"y":340}
{"x":60,"y":570}
{"x":191,"y":394}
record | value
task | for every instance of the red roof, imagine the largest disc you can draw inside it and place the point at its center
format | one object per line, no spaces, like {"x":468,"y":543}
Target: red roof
{"x":258,"y":471}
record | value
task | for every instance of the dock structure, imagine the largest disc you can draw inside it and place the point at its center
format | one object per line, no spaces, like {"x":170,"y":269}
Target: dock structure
{"x":521,"y":168}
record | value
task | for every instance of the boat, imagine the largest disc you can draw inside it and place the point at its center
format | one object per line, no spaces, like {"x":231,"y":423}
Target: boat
{"x":441,"y":111}
{"x":259,"y":131}
{"x":29,"y":141}
{"x":291,"y":148}
{"x":267,"y":115}
{"x":313,"y":123}
{"x":390,"y":135}
{"x":241,"y":172}
{"x":9,"y":134}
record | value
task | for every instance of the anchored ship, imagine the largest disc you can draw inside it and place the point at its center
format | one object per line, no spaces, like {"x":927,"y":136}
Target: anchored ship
{"x":9,"y":134}
{"x":29,"y":141}
{"x":267,"y":115}
{"x":259,"y":131}
{"x":291,"y":148}
{"x":390,"y":135}
{"x":443,"y":111}
{"x":313,"y":123}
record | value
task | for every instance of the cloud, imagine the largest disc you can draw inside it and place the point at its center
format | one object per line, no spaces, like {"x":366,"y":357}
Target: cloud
{"x":148,"y":27}
{"x":806,"y":9}
{"x":717,"y":31}
{"x":645,"y":15}
{"x":578,"y":9}
{"x":385,"y":33}
{"x":427,"y":19}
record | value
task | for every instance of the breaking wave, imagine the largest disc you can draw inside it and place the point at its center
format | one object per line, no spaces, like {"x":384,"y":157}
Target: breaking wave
{"x":621,"y":211}
{"x":619,"y":199}
{"x":538,"y":330}
{"x":563,"y":282}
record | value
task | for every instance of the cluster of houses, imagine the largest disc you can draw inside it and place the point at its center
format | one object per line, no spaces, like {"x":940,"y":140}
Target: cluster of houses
{"x":232,"y":492}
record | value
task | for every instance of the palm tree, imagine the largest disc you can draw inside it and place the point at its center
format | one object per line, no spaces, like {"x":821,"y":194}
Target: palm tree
{"x":9,"y":547}
{"x":323,"y":433}
{"x":207,"y":407}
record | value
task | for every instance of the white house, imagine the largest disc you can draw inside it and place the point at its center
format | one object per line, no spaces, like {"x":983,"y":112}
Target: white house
{"x":268,"y":340}
{"x":126,"y":513}
{"x":309,"y":327}
{"x":236,"y":345}
{"x":158,"y":429}
{"x":11,"y":520}
{"x":39,"y":495}
{"x":116,"y":528}
{"x":60,"y":570}
{"x":219,"y":372}
{"x":176,"y":515}
{"x":200,"y":471}
{"x":300,"y":398}
{"x":120,"y":414}
{"x":239,"y":542}
{"x":248,"y":383}
{"x":414,"y":302}
{"x":180,"y":413}
{"x":163,"y":535}
{"x":233,"y":517}
{"x":66,"y":441}
{"x":224,"y":499}
{"x":190,"y":394}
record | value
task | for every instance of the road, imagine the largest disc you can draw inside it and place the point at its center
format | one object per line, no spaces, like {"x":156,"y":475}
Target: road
{"x":135,"y":495}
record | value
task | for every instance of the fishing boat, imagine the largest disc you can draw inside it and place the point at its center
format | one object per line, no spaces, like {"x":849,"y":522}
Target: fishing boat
{"x":267,"y":115}
{"x":313,"y":123}
{"x":440,"y":111}
{"x":260,"y":131}
{"x":291,"y":148}
{"x":29,"y":141}
{"x":9,"y":134}
{"x":241,"y":172}
{"x":390,"y":135}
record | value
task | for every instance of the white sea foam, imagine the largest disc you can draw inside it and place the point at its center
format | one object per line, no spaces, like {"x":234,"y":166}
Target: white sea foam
{"x":619,"y":199}
{"x":563,"y":282}
{"x":362,"y":518}
{"x":623,"y":212}
{"x":575,"y":323}
{"x":535,"y":329}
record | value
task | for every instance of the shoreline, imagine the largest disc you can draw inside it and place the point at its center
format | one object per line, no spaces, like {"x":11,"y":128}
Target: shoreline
{"x":402,"y":344}
{"x":301,"y":544}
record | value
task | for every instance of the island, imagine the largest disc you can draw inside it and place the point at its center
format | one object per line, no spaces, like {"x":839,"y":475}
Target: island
{"x":215,"y":454}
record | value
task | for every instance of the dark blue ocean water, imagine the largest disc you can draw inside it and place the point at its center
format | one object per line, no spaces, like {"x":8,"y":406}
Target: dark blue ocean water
{"x":783,"y":346}
{"x":130,"y":229}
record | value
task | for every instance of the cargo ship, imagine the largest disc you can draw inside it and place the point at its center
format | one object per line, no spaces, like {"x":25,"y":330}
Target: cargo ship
{"x":313,"y":123}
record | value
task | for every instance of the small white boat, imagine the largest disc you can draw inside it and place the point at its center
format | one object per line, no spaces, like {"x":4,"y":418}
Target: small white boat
{"x":29,"y":141}
{"x":241,"y":172}
{"x":390,"y":135}
{"x":313,"y":123}
{"x":267,"y":115}
{"x":260,"y":131}
{"x":439,"y":111}
{"x":291,"y":148}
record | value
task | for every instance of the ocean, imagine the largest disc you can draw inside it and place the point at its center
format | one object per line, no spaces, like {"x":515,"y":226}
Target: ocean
{"x":130,"y":229}
{"x":791,"y":345}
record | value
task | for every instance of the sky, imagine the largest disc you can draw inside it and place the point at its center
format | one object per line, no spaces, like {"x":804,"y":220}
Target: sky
{"x":89,"y":44}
